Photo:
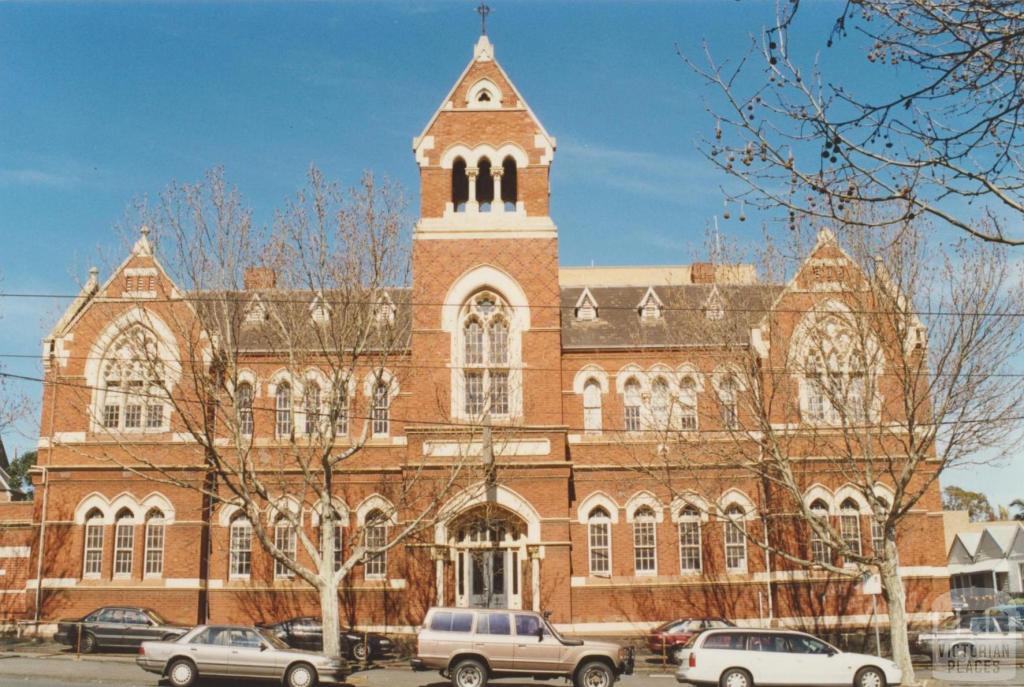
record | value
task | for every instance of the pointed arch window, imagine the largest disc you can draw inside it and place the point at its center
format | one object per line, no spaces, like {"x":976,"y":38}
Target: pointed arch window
{"x":820,"y":552}
{"x":240,"y":548}
{"x":689,"y":540}
{"x":509,"y":184}
{"x":311,"y":406}
{"x":375,"y":531}
{"x":486,"y":356}
{"x":124,"y":543}
{"x":645,"y":541}
{"x":878,"y":526}
{"x":484,"y":185}
{"x":92,"y":560}
{"x":688,"y":405}
{"x":341,"y":421}
{"x":244,"y":405}
{"x":460,"y":185}
{"x":599,"y":538}
{"x":154,"y":544}
{"x":727,"y":401}
{"x":849,"y":525}
{"x":283,"y":410}
{"x":381,"y":411}
{"x":132,"y":384}
{"x":631,"y":399}
{"x":660,"y":403}
{"x":592,"y":407}
{"x":735,"y":539}
{"x":284,"y":540}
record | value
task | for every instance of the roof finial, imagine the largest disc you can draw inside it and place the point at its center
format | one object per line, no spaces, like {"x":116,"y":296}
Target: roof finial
{"x":483,"y":10}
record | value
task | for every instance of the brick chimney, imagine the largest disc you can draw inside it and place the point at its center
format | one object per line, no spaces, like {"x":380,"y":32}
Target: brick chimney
{"x":256,"y":278}
{"x":702,"y":273}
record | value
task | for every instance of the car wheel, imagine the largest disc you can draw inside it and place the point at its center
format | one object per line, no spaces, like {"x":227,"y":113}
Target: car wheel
{"x":595,"y":674}
{"x":869,"y":677}
{"x":181,"y":673}
{"x":360,"y":652}
{"x":677,"y":654}
{"x":735,"y":677}
{"x":168,"y":638}
{"x":300,"y":675}
{"x":469,"y":672}
{"x":88,"y":644}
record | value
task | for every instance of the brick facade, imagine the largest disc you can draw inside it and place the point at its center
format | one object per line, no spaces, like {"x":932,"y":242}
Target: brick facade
{"x":558,"y":465}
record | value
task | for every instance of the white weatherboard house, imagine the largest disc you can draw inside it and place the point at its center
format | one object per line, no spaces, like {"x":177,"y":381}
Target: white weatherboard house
{"x":992,"y":557}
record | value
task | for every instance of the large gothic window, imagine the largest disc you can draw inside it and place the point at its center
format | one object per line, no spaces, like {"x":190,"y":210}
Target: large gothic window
{"x":486,"y":356}
{"x":132,"y":385}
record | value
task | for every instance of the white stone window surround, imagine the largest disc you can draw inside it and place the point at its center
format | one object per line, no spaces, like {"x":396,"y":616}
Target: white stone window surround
{"x":494,"y":94}
{"x":140,"y":282}
{"x":517,"y":314}
{"x":646,"y":379}
{"x":599,"y":541}
{"x":728,"y":502}
{"x":584,"y":376}
{"x":496,"y":157}
{"x":680,"y":510}
{"x":387,"y":379}
{"x":104,"y":353}
{"x":376,"y":568}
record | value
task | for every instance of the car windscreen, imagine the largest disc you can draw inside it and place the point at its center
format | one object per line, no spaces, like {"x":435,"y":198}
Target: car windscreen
{"x":159,"y":619}
{"x":272,"y":639}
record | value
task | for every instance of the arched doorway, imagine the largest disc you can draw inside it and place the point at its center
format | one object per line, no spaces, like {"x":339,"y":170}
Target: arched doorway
{"x":488,"y":545}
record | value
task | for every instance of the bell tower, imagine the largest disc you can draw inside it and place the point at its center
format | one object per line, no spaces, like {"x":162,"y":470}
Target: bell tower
{"x":484,"y":227}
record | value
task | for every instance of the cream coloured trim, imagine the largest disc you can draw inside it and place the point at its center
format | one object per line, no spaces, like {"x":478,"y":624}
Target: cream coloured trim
{"x":15,"y":551}
{"x":514,"y":447}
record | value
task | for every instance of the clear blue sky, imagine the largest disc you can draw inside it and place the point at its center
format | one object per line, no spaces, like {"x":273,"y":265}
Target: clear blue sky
{"x":102,"y":103}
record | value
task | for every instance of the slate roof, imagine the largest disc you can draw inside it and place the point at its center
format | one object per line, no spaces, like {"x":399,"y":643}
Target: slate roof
{"x":683,"y":322}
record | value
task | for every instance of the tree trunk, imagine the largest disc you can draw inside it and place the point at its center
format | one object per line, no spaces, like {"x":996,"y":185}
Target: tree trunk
{"x":896,"y":598}
{"x":329,"y":618}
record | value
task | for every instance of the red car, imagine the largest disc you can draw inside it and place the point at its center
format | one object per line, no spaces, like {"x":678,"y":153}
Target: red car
{"x":668,"y":639}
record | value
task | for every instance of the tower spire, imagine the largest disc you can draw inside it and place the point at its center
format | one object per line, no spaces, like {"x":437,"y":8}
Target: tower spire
{"x":483,"y":10}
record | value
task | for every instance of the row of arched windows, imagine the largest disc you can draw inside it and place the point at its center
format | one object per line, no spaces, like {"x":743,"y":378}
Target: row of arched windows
{"x":126,"y":533}
{"x":485,"y":185}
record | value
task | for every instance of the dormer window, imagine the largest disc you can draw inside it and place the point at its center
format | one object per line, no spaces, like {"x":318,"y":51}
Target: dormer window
{"x":384,"y":311}
{"x":650,"y":306}
{"x":586,"y":307}
{"x":484,"y":95}
{"x":319,"y":310}
{"x":256,"y":312}
{"x":714,"y":306}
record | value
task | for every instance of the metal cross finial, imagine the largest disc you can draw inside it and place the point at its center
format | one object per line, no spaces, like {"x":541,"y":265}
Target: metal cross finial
{"x":483,"y":10}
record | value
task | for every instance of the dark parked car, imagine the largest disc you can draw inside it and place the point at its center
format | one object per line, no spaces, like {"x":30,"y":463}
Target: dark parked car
{"x":671,"y":636}
{"x":116,"y":627}
{"x":307,"y":633}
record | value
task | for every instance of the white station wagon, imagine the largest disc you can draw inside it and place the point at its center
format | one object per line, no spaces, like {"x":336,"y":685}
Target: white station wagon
{"x":744,"y":658}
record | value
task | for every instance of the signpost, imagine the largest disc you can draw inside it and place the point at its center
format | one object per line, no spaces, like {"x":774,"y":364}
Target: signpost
{"x":871,"y":584}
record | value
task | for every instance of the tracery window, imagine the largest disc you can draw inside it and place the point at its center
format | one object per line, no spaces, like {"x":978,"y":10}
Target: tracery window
{"x":132,"y":384}
{"x":835,"y":380}
{"x":645,"y":556}
{"x":689,"y":540}
{"x":599,"y":524}
{"x":486,"y":356}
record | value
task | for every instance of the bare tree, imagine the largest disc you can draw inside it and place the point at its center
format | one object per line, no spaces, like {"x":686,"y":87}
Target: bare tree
{"x":938,"y":135}
{"x":878,"y":367}
{"x":326,"y":320}
{"x":14,"y":404}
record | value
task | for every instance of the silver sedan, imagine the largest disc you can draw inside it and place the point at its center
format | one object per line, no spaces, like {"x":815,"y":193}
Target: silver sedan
{"x":236,"y":651}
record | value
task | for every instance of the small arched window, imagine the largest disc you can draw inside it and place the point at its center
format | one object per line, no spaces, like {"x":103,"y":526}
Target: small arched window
{"x":240,"y":548}
{"x":341,"y":421}
{"x":735,"y":539}
{"x":631,"y":399}
{"x":819,"y":549}
{"x":154,"y":551}
{"x":645,"y":541}
{"x":689,"y":540}
{"x":688,"y":405}
{"x":660,"y":403}
{"x":311,"y":406}
{"x":509,"y":184}
{"x":124,"y":543}
{"x":592,"y":407}
{"x":460,"y":185}
{"x":283,"y":413}
{"x":878,"y":525}
{"x":93,"y":556}
{"x":727,"y":400}
{"x":376,"y":536}
{"x":484,"y":185}
{"x":474,"y":342}
{"x":849,"y":525}
{"x":599,"y":537}
{"x":244,"y":406}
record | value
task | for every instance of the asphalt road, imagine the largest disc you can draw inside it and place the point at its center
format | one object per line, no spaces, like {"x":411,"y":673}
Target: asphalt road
{"x":64,"y":670}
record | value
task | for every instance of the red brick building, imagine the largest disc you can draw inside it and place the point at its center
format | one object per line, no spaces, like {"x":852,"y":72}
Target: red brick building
{"x":585,"y":359}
